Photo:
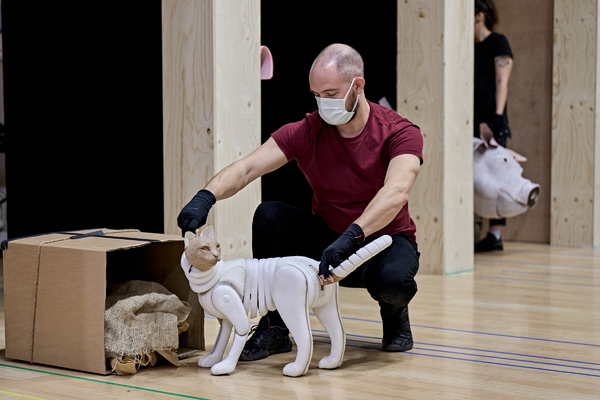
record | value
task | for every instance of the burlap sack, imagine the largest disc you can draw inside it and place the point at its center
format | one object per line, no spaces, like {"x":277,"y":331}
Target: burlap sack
{"x":142,"y":318}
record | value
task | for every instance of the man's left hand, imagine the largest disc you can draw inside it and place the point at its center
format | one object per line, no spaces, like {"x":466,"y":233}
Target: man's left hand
{"x":341,"y":249}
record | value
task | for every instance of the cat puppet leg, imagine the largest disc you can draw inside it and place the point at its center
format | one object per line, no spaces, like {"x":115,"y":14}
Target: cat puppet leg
{"x":216,"y":355}
{"x":330,"y":317}
{"x":329,"y":314}
{"x":289,"y":295}
{"x":227,"y":301}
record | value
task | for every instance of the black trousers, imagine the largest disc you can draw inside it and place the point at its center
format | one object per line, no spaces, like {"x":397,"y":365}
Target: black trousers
{"x":280,"y":230}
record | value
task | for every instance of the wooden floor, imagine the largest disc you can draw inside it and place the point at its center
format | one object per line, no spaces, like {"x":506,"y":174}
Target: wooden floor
{"x":524,"y":325}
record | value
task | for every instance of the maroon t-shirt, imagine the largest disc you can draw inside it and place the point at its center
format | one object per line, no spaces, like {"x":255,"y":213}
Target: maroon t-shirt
{"x":345,"y":174}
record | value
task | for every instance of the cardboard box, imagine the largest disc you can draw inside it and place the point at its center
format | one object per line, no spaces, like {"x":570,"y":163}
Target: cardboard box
{"x":55,"y":290}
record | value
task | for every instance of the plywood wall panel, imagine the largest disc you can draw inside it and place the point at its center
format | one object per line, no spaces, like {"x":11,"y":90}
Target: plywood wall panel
{"x":528,"y":25}
{"x":574,"y":116}
{"x":237,"y":114}
{"x":211,"y":84}
{"x":188,"y":127}
{"x":458,"y":136}
{"x":419,"y":98}
{"x":596,"y":208}
{"x":434,"y":88}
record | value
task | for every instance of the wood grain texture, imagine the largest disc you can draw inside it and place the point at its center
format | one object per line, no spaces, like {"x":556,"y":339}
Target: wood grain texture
{"x":188,"y":112}
{"x":524,"y":325}
{"x":211,"y":71}
{"x":434,"y":85}
{"x":458,"y":133}
{"x":596,"y":209}
{"x":420,"y":99}
{"x":528,"y":25}
{"x":237,"y":115}
{"x":573,"y":127}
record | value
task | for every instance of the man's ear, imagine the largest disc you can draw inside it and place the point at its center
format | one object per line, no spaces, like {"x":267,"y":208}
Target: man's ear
{"x":360,"y":85}
{"x":208,"y":232}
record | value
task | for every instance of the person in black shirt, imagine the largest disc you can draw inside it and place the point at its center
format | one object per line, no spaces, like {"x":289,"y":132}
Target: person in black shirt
{"x":493,"y":65}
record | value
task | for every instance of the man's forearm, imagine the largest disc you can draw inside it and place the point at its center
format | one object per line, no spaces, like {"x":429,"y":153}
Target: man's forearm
{"x":228,"y":181}
{"x":233,"y":178}
{"x":390,"y":199}
{"x":382,"y":210}
{"x":501,"y":96}
{"x":502,"y":70}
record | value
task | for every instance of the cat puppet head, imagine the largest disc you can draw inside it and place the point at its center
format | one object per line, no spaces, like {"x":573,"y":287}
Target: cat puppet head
{"x":203,"y":251}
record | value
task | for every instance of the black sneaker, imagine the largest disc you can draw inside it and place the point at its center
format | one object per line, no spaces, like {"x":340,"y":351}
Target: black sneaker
{"x":489,"y":243}
{"x":266,"y":340}
{"x":397,"y":335}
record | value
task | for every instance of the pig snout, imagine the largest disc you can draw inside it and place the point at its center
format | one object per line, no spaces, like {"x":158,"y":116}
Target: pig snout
{"x":517,"y":201}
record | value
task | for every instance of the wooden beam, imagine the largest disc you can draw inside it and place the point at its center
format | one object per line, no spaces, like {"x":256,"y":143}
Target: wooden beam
{"x":575,"y":188}
{"x":435,"y":91}
{"x":237,"y":115}
{"x":211,"y":91}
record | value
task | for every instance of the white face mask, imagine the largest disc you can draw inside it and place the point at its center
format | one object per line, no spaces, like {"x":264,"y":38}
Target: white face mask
{"x":333,"y":111}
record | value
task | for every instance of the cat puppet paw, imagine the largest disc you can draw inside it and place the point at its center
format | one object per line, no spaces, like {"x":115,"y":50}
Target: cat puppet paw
{"x":208,"y":360}
{"x":294,"y":369}
{"x":223,"y":368}
{"x":328,"y":362}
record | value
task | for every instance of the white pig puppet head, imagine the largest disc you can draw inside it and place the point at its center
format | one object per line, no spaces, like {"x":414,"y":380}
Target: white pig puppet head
{"x":498,"y":185}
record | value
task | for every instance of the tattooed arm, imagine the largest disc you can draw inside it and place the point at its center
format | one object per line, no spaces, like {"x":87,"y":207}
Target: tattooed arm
{"x":503,"y":67}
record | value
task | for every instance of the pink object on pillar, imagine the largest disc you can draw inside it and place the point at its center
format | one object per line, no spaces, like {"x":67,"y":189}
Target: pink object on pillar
{"x":266,"y":63}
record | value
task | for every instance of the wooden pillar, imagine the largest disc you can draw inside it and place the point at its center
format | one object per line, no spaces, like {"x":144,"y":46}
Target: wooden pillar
{"x":435,"y":91}
{"x":575,"y":217}
{"x":211,"y":91}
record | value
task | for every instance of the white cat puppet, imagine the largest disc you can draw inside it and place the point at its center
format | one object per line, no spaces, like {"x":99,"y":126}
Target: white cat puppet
{"x":228,"y":290}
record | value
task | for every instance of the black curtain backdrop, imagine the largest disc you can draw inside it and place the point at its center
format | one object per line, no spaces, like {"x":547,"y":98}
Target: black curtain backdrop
{"x":295,"y":32}
{"x":83,"y":110}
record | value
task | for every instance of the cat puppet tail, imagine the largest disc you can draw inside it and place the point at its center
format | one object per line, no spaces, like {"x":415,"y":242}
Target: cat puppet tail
{"x":363,"y":254}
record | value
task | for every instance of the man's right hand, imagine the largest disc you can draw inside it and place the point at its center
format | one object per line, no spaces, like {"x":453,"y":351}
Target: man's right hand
{"x":195,"y":213}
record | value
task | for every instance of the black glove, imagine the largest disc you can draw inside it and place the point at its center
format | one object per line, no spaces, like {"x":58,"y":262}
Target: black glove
{"x":194,"y":214}
{"x":341,"y":249}
{"x":499,"y":127}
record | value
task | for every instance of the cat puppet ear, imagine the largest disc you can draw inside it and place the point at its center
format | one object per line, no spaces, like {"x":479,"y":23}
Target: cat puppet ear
{"x":187,"y":237}
{"x":209,"y":232}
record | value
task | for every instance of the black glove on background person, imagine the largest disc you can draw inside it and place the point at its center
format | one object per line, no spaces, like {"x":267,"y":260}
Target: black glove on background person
{"x":341,"y":249}
{"x":194,"y":214}
{"x":499,"y":127}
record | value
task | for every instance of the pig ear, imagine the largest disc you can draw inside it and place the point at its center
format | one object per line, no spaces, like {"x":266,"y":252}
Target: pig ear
{"x":209,"y":232}
{"x":517,"y":156}
{"x":479,"y":145}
